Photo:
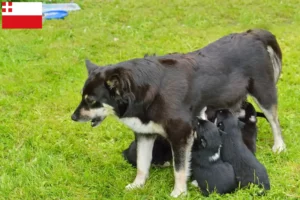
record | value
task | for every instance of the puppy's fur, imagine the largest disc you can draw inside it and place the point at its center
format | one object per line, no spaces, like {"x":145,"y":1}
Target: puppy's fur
{"x":161,"y":153}
{"x":248,"y":116}
{"x":208,"y":169}
{"x":246,"y":167}
{"x":162,"y":94}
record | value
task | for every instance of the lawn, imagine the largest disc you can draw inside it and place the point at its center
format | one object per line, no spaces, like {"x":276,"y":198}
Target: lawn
{"x":45,"y":155}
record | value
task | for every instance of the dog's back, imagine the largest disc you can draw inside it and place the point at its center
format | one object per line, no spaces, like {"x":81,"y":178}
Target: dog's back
{"x":246,"y":167}
{"x":208,"y":170}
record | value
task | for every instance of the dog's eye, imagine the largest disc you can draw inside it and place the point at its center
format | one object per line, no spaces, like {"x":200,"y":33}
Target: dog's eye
{"x":90,"y":100}
{"x":220,"y":125}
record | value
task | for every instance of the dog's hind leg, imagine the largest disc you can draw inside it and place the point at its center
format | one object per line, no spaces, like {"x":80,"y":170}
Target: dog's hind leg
{"x":144,"y":156}
{"x":181,"y":162}
{"x":265,"y":96}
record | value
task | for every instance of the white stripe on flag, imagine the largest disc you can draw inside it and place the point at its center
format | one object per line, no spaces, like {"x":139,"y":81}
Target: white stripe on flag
{"x":21,"y":8}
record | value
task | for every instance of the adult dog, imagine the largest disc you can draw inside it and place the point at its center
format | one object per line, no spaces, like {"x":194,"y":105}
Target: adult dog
{"x":162,"y":94}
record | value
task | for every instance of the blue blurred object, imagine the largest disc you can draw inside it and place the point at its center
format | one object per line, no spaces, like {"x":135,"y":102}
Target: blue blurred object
{"x":55,"y":14}
{"x":60,"y":6}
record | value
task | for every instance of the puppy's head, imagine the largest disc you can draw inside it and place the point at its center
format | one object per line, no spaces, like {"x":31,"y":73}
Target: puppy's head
{"x":207,"y":135}
{"x":226,"y":121}
{"x":102,"y":95}
{"x":248,"y":113}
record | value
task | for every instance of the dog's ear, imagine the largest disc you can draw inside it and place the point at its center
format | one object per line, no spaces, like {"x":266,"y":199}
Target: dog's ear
{"x":90,"y":66}
{"x":241,"y":124}
{"x":119,"y":85}
{"x":113,"y":82}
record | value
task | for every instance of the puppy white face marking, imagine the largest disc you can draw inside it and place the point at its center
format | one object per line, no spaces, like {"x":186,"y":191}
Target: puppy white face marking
{"x":252,"y":119}
{"x":216,"y":156}
{"x":215,"y":122}
{"x":195,"y":134}
{"x":137,"y":126}
{"x":203,"y":114}
{"x":242,"y":113}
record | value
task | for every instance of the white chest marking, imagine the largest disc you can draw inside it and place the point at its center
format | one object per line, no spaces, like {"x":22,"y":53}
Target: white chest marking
{"x":216,"y":156}
{"x":137,"y":126}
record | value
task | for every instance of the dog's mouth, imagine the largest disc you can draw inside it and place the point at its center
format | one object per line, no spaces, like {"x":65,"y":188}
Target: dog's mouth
{"x":96,"y":121}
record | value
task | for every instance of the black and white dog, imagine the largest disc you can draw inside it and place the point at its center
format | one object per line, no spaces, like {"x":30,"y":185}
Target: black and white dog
{"x":209,"y":172}
{"x":246,"y":167}
{"x":162,"y":94}
{"x":162,"y":155}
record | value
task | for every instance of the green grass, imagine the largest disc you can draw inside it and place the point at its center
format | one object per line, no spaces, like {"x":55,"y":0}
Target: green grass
{"x":44,"y":155}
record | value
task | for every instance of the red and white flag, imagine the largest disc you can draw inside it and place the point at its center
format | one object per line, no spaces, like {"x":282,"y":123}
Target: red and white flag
{"x":21,"y":15}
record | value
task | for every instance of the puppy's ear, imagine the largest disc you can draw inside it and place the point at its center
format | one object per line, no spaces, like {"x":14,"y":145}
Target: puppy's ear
{"x":90,"y":66}
{"x":222,"y":132}
{"x":241,"y":124}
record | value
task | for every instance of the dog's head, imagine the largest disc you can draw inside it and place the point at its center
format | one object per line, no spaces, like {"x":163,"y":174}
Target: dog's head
{"x":104,"y":93}
{"x":207,"y":135}
{"x":226,"y":121}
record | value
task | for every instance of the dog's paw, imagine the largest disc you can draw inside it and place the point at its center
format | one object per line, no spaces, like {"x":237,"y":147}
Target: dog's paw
{"x":279,"y":147}
{"x":177,"y":192}
{"x":132,"y":186}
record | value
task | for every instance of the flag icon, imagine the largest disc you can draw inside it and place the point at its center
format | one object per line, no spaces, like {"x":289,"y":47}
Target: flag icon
{"x":21,"y":15}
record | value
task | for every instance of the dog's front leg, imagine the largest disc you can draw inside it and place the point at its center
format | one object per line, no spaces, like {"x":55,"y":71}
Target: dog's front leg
{"x":181,"y":162}
{"x":144,"y":156}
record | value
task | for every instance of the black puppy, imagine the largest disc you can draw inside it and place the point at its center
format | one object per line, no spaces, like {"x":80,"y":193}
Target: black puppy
{"x":248,"y":116}
{"x":161,"y":153}
{"x":246,"y":167}
{"x":208,"y":170}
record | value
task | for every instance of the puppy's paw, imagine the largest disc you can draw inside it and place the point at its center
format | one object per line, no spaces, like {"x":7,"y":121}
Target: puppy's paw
{"x":279,"y":147}
{"x":177,"y":192}
{"x":132,"y":186}
{"x":194,"y":183}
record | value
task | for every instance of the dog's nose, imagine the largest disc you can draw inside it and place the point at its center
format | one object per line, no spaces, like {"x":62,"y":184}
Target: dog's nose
{"x":74,"y":117}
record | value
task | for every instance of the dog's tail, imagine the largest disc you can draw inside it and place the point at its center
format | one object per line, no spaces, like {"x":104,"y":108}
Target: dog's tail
{"x":272,"y":46}
{"x":262,"y":115}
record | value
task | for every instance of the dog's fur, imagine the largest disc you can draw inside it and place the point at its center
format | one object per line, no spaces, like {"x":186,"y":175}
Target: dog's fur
{"x":161,"y":153}
{"x":162,"y":94}
{"x":208,"y":169}
{"x":246,"y":167}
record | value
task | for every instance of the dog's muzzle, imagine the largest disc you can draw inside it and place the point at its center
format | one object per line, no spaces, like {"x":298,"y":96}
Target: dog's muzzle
{"x":74,"y":117}
{"x":96,"y":121}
